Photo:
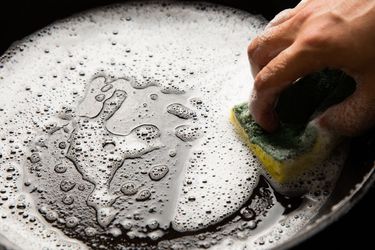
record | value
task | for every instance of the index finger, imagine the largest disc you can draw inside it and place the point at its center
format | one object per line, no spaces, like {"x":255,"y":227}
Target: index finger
{"x":275,"y":77}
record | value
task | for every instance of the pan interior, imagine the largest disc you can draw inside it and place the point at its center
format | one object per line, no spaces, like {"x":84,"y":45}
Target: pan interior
{"x":115,"y":133}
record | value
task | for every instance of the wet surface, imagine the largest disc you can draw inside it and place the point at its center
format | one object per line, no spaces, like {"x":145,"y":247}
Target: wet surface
{"x":111,"y":140}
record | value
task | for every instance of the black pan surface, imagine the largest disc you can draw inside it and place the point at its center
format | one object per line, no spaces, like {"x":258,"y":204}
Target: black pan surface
{"x":20,"y":18}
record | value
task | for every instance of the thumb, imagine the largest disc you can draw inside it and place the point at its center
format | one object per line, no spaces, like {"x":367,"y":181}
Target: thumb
{"x":354,"y":115}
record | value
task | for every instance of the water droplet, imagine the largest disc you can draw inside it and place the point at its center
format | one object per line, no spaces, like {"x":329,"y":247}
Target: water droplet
{"x":68,"y":200}
{"x":34,"y":158}
{"x":153,"y":224}
{"x":51,"y":215}
{"x":100,"y":97}
{"x":116,"y":232}
{"x":154,"y":97}
{"x":180,"y":111}
{"x":43,"y":210}
{"x":109,"y":145}
{"x":21,"y":205}
{"x":191,"y":198}
{"x":62,"y":145}
{"x":187,"y":133}
{"x":158,"y":172}
{"x":172,"y":153}
{"x":247,"y":213}
{"x":126,"y":224}
{"x":155,"y":235}
{"x":66,"y":185}
{"x":71,"y":221}
{"x":81,"y":187}
{"x":60,"y":168}
{"x":90,"y":231}
{"x":106,"y":87}
{"x":143,"y":195}
{"x":129,"y":188}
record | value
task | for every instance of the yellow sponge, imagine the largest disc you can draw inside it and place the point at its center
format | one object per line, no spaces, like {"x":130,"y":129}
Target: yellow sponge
{"x":284,"y":164}
{"x":299,"y":143}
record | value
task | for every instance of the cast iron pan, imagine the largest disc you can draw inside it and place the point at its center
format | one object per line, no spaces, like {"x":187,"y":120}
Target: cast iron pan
{"x":18,"y":19}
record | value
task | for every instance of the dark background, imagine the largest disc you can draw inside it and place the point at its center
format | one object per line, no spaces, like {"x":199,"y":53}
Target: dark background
{"x":20,"y":18}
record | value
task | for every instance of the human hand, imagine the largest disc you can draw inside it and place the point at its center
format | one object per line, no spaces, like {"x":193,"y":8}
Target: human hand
{"x":317,"y":34}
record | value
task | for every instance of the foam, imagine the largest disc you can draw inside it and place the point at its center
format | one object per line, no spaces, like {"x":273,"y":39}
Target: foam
{"x":93,"y":106}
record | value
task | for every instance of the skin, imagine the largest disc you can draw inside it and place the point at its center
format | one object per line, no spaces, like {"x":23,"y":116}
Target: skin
{"x":317,"y":34}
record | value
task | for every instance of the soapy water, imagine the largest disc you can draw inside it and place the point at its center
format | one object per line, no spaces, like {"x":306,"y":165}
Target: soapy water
{"x":111,"y":140}
{"x":97,"y":148}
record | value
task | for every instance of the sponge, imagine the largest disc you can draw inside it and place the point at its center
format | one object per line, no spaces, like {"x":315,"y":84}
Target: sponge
{"x":300,"y":142}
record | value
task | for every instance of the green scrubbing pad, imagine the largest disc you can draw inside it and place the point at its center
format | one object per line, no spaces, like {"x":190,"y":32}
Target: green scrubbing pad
{"x":300,"y":142}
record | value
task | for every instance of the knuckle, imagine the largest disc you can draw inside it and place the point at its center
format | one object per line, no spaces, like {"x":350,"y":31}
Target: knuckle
{"x":315,"y":39}
{"x":330,"y":23}
{"x":271,"y":70}
{"x":253,"y":47}
{"x":259,"y":42}
{"x":282,"y":15}
{"x":334,"y":17}
{"x":267,"y":45}
{"x":303,"y":15}
{"x":262,"y":82}
{"x":300,"y":54}
{"x":255,"y":54}
{"x":258,"y":84}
